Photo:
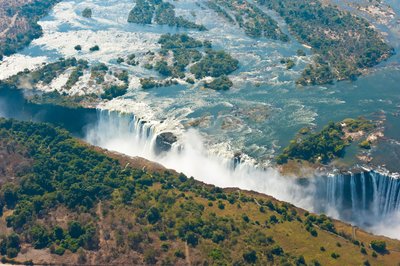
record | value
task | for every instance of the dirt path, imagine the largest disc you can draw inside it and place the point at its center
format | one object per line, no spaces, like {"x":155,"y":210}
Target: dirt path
{"x":187,"y":255}
{"x":99,"y":212}
{"x":353,"y":232}
{"x":102,"y":241}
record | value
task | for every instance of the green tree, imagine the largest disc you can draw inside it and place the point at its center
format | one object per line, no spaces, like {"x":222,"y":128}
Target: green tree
{"x":58,"y":233}
{"x":40,"y":236}
{"x":75,"y":229}
{"x":150,"y":257}
{"x":192,"y":239}
{"x":250,"y":256}
{"x":87,"y":13}
{"x":153,"y":215}
{"x":379,"y":246}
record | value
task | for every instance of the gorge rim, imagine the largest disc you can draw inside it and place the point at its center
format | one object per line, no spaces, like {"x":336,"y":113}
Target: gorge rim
{"x":366,"y":198}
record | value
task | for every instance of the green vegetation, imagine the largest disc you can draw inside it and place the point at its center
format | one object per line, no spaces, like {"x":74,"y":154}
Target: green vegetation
{"x":289,"y":63}
{"x":359,"y":124}
{"x":55,"y":98}
{"x":74,"y":198}
{"x":215,"y":64}
{"x":163,"y":68}
{"x":148,"y":66}
{"x":220,"y":11}
{"x":335,"y":255}
{"x":123,"y":76}
{"x":77,"y":73}
{"x":142,"y":13}
{"x":114,"y":91}
{"x":87,"y":13}
{"x":165,"y":15}
{"x":178,"y":41}
{"x":94,"y":48}
{"x":31,"y":198}
{"x":198,"y":56}
{"x":185,"y":51}
{"x":300,"y":52}
{"x":47,"y":73}
{"x":77,"y":68}
{"x":323,"y":146}
{"x":30,"y":13}
{"x":365,"y":144}
{"x":220,"y":83}
{"x":98,"y":72}
{"x":253,"y":20}
{"x":131,"y":60}
{"x":149,"y":83}
{"x":317,"y":73}
{"x":78,"y":47}
{"x":344,"y":44}
{"x":10,"y":246}
{"x":161,"y":13}
{"x":363,"y":250}
{"x":111,"y":91}
{"x":321,"y":221}
{"x":379,"y":246}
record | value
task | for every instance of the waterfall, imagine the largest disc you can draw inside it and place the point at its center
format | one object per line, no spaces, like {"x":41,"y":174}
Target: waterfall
{"x":375,"y":201}
{"x":363,"y":198}
{"x":357,"y":196}
{"x":353,"y":192}
{"x":112,"y":127}
{"x":131,"y":135}
{"x":364,"y":191}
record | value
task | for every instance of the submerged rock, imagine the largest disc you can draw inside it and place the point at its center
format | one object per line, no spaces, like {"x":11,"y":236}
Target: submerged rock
{"x":164,"y":142}
{"x":237,"y":159}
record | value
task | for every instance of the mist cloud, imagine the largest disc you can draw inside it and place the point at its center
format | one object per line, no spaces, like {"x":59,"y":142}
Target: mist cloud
{"x":123,"y":134}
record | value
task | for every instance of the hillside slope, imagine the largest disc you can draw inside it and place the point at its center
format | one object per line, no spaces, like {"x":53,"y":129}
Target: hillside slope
{"x":63,"y":201}
{"x":18,"y":23}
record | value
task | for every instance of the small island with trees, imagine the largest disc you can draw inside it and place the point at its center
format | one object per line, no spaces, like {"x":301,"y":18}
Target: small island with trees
{"x":191,"y":60}
{"x":329,"y":143}
{"x":161,"y":13}
{"x":87,"y":13}
{"x":254,"y":21}
{"x":103,"y":84}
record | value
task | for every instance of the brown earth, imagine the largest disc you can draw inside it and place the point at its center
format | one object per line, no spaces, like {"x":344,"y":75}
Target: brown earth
{"x":11,"y":23}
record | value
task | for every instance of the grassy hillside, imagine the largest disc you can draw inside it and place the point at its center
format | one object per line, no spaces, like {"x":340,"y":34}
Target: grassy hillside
{"x":63,"y":201}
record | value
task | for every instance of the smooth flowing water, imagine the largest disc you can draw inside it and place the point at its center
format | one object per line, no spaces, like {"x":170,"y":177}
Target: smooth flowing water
{"x":14,"y":105}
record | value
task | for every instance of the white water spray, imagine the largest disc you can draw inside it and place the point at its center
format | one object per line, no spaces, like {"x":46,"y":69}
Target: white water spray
{"x":132,"y":136}
{"x":363,"y":198}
